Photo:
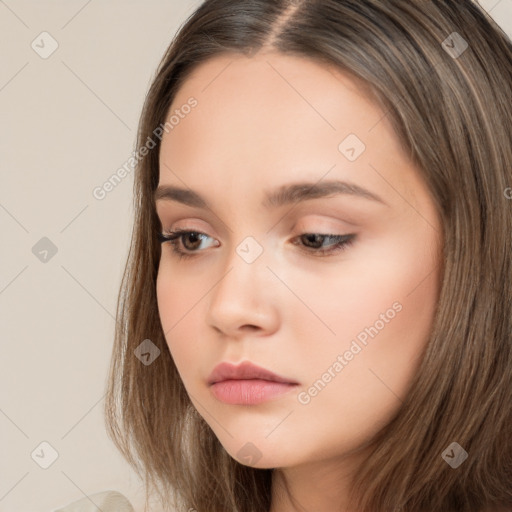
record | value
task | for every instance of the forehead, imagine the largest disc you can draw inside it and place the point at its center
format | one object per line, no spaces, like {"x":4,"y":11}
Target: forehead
{"x":262,"y":119}
{"x":273,"y":85}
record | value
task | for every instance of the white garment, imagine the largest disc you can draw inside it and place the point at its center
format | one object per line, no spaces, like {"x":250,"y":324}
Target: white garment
{"x":106,"y":501}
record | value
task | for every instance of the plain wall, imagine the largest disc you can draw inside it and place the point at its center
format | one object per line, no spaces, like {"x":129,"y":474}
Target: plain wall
{"x":68,"y":122}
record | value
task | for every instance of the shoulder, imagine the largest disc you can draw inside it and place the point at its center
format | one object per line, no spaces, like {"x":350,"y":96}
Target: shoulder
{"x":106,"y":501}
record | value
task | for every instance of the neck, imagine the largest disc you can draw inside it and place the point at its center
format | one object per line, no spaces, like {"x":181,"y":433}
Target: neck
{"x":322,"y":485}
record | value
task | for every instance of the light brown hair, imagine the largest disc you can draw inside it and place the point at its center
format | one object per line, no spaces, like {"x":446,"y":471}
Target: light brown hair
{"x":453,"y":114}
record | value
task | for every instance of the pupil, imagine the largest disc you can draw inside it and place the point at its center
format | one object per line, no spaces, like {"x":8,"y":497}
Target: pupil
{"x":192,"y":235}
{"x":315,"y":239}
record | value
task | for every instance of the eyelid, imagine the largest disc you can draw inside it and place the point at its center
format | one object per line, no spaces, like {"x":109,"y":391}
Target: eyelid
{"x":312,"y":224}
{"x":302,"y":212}
{"x":321,"y":224}
{"x":345,"y":241}
{"x":307,"y":219}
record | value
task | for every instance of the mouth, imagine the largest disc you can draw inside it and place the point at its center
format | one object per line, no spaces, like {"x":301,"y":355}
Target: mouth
{"x":249,"y":391}
{"x":247,"y":384}
{"x":245,"y":371}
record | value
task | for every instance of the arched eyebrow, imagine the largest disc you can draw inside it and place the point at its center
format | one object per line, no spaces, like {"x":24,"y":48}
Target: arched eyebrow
{"x":281,"y":196}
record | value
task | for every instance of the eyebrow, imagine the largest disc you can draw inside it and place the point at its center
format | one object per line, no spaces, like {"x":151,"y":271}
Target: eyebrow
{"x":284,"y":195}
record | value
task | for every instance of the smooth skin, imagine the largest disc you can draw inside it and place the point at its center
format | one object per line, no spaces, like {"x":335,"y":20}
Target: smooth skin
{"x":261,"y":123}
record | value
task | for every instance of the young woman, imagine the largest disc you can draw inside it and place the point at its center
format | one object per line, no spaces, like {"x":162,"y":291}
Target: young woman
{"x":316,"y":313}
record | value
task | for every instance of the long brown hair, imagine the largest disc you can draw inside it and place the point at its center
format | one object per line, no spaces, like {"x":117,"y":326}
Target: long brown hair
{"x":451,"y":106}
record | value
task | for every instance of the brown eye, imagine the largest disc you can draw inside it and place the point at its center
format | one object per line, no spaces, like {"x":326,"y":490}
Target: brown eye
{"x":174,"y":238}
{"x":314,"y":241}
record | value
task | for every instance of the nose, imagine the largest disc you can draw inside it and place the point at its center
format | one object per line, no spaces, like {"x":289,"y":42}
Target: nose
{"x":245,"y":298}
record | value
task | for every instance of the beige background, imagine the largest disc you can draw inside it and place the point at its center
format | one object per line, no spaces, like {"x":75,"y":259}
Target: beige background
{"x":68,"y":122}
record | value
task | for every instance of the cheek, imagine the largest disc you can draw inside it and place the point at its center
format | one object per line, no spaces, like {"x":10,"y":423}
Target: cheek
{"x":414,"y":282}
{"x":380,"y":303}
{"x":177,"y":301}
{"x":370,"y":387}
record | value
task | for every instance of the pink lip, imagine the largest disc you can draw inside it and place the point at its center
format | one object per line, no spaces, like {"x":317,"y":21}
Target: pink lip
{"x":248,"y":392}
{"x":244,"y":371}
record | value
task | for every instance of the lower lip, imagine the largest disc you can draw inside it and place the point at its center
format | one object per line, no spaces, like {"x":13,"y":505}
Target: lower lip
{"x":249,"y":391}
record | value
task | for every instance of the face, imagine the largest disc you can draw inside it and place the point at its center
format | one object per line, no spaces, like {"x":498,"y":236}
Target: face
{"x":335,"y":292}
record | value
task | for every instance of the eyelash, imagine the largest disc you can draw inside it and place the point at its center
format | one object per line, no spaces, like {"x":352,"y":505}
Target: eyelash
{"x":173,"y":237}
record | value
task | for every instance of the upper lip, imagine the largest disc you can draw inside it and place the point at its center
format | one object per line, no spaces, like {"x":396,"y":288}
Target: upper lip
{"x":245,"y":370}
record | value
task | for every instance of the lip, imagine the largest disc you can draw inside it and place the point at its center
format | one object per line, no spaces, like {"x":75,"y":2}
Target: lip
{"x":245,"y":371}
{"x":249,"y":391}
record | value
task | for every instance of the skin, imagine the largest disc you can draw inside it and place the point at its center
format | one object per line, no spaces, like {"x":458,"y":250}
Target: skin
{"x":263,"y":122}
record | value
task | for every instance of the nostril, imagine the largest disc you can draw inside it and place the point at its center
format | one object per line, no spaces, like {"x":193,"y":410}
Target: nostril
{"x":250,"y":327}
